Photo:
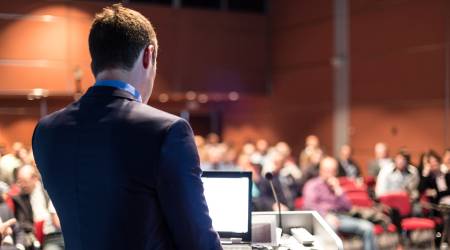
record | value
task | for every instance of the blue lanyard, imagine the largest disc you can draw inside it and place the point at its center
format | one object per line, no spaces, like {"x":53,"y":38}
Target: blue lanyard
{"x":120,"y":85}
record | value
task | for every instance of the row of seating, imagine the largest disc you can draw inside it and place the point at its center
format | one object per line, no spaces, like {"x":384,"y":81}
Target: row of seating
{"x":358,"y":195}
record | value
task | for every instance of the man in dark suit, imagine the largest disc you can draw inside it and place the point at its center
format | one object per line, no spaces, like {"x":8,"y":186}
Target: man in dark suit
{"x":121,"y":174}
{"x":347,"y":166}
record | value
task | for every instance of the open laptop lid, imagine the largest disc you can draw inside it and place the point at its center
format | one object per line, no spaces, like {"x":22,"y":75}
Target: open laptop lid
{"x":229,"y":198}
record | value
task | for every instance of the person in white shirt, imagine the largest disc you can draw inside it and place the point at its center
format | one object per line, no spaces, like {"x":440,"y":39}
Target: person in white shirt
{"x":401,"y":177}
{"x":381,"y":160}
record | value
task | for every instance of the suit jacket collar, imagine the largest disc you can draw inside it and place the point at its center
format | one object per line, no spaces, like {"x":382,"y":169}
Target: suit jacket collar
{"x":105,"y":91}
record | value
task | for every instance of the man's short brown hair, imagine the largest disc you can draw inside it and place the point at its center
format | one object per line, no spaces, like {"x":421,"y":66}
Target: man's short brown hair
{"x":117,"y":36}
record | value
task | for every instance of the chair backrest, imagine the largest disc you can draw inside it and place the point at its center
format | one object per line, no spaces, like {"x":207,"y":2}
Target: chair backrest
{"x":39,"y":231}
{"x":10,"y":203}
{"x":298,"y":203}
{"x":348,"y":190}
{"x":360,"y":199}
{"x":398,"y":200}
{"x":345,"y":180}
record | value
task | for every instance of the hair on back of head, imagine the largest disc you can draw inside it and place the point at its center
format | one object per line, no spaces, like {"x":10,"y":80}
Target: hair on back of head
{"x":434,"y":154}
{"x":117,"y":36}
{"x":405,"y":154}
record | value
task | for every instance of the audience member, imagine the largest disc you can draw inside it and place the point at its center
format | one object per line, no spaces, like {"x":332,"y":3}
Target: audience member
{"x":381,"y":161}
{"x":215,"y":159}
{"x":230,"y":156}
{"x":261,"y":153}
{"x":401,"y":177}
{"x":248,"y":148}
{"x":325,"y":195}
{"x":445,"y":167}
{"x":212,"y":140}
{"x":290,"y":168}
{"x":33,"y":205}
{"x":16,"y":240}
{"x":434,"y":184}
{"x":312,"y":170}
{"x":311,"y":150}
{"x":347,"y":166}
{"x":244,"y":163}
{"x":10,"y":162}
{"x":285,"y":186}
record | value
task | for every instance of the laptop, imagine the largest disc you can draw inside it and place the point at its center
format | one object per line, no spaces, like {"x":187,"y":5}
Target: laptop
{"x":229,"y":198}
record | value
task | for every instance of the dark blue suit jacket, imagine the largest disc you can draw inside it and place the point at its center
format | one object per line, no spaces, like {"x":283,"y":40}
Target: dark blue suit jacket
{"x":123,"y":175}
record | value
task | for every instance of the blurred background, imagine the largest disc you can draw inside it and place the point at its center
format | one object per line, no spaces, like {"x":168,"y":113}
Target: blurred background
{"x":350,"y":72}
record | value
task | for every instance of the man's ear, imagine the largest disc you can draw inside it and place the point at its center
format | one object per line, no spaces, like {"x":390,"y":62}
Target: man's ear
{"x":148,"y":56}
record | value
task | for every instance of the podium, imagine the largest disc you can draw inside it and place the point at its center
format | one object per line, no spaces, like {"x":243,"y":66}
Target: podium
{"x":325,"y":237}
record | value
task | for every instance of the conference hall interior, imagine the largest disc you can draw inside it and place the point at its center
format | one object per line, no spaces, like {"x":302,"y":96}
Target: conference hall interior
{"x":347,"y":96}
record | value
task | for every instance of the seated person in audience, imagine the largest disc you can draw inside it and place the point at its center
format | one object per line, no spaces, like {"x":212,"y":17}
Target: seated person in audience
{"x":285,"y":187}
{"x":312,"y":170}
{"x":230,"y":157}
{"x":33,"y":205}
{"x":282,"y":151}
{"x":10,"y":162}
{"x":260,"y":156}
{"x":347,"y":166}
{"x":215,"y":159}
{"x":434,"y":184}
{"x":17,"y":237}
{"x":381,"y":160}
{"x":312,"y":146}
{"x":325,"y":195}
{"x":445,"y":166}
{"x":402,"y":177}
{"x":290,"y":168}
{"x":245,"y":164}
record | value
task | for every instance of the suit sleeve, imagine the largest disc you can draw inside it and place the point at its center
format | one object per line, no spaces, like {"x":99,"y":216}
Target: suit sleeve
{"x":180,"y":191}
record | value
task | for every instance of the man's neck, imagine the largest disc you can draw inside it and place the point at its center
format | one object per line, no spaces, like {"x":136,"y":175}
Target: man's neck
{"x":118,"y":75}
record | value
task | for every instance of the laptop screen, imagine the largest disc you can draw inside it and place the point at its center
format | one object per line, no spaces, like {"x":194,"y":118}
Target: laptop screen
{"x":228,"y":195}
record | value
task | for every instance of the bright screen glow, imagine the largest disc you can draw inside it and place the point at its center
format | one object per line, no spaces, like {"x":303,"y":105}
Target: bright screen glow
{"x":227,"y":200}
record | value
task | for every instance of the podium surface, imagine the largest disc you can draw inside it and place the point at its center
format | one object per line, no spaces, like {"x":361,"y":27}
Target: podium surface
{"x":325,"y":237}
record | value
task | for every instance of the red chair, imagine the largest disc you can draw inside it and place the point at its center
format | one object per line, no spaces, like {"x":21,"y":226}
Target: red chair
{"x":356,"y":191}
{"x":370,"y":181}
{"x":345,"y":180}
{"x":363,"y":200}
{"x":378,"y":229}
{"x":353,"y":187}
{"x":298,"y":203}
{"x":360,"y":199}
{"x":401,"y":202}
{"x":10,"y":203}
{"x":39,"y":231}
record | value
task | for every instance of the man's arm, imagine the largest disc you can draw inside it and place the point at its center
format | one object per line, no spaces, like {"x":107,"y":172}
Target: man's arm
{"x":180,"y":191}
